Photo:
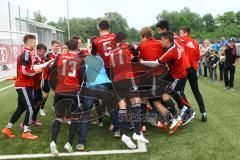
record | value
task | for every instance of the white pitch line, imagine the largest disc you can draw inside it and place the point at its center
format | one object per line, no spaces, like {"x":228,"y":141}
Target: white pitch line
{"x":6,"y":87}
{"x":31,"y":156}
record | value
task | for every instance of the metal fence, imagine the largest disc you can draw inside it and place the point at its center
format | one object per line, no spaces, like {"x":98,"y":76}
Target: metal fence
{"x":15,"y":23}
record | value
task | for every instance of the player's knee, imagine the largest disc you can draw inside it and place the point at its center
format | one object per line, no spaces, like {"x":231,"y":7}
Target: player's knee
{"x":135,"y":100}
{"x":166,"y":97}
{"x":122,"y":104}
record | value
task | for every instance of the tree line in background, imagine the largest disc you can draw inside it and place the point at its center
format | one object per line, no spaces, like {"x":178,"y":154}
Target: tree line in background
{"x":203,"y":27}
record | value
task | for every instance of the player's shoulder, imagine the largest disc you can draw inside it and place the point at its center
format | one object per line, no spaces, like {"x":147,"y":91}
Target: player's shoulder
{"x":25,"y":54}
{"x":25,"y":51}
{"x":191,"y":43}
{"x":107,"y":36}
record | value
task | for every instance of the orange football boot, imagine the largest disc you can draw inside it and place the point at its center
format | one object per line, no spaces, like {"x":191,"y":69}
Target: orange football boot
{"x":29,"y":135}
{"x":8,"y":132}
{"x":161,"y":125}
{"x":171,"y":132}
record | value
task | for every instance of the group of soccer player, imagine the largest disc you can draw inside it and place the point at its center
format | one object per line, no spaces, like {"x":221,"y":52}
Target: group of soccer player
{"x":129,"y":82}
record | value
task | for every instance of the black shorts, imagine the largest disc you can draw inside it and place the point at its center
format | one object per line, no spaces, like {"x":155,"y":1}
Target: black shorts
{"x":177,"y":85}
{"x":67,"y":106}
{"x":149,"y":87}
{"x":37,"y":95}
{"x":45,"y":86}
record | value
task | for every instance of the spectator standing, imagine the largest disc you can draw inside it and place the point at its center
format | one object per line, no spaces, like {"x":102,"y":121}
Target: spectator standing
{"x":222,"y":61}
{"x":205,"y":56}
{"x":230,"y":64}
{"x":216,"y":46}
{"x":223,"y":42}
{"x":214,"y":60}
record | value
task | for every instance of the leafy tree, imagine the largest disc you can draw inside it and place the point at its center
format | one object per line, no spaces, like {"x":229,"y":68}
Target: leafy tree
{"x":183,"y":18}
{"x":238,"y":17}
{"x":209,"y":22}
{"x":227,"y":18}
{"x":133,"y":35}
{"x":39,"y":18}
{"x":117,"y":22}
{"x":202,"y":27}
{"x":51,"y":23}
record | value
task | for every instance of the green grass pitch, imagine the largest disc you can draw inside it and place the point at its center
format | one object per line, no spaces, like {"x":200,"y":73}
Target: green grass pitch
{"x":218,"y":139}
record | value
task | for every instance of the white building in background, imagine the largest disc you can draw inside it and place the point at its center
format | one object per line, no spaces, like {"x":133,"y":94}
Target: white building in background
{"x":15,"y":22}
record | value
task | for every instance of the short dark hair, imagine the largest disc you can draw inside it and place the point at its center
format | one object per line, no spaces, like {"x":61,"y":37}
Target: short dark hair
{"x":104,"y":25}
{"x":42,"y":46}
{"x":54,"y":42}
{"x":168,"y":35}
{"x":76,"y":38}
{"x":163,"y":24}
{"x":186,"y":29}
{"x":72,"y":45}
{"x":121,"y":36}
{"x":27,"y":37}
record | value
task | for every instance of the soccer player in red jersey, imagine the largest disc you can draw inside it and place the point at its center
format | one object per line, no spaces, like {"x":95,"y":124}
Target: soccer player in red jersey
{"x":39,"y":59}
{"x":177,"y":74}
{"x":66,"y":101}
{"x":24,"y":86}
{"x":120,"y":62}
{"x":192,"y":50}
{"x":64,"y":49}
{"x":105,"y":43}
{"x":45,"y":86}
{"x":81,"y":52}
{"x":150,"y":50}
{"x":163,"y":26}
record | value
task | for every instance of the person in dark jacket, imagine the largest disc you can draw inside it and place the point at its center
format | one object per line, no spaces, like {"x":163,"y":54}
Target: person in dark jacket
{"x":230,"y":64}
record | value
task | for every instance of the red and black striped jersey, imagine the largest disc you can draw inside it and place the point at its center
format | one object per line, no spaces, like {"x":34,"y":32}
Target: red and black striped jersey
{"x":25,"y":70}
{"x":48,"y":57}
{"x":38,"y":77}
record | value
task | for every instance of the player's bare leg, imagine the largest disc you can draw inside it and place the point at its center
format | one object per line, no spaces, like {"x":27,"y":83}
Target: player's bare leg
{"x":45,"y":97}
{"x":163,"y":113}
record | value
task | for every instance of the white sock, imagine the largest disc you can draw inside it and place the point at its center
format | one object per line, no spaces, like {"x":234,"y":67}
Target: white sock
{"x":9,"y":125}
{"x":25,"y":128}
{"x":183,"y":110}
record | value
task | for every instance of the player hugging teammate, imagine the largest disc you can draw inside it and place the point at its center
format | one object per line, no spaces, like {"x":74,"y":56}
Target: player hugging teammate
{"x":125,"y":80}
